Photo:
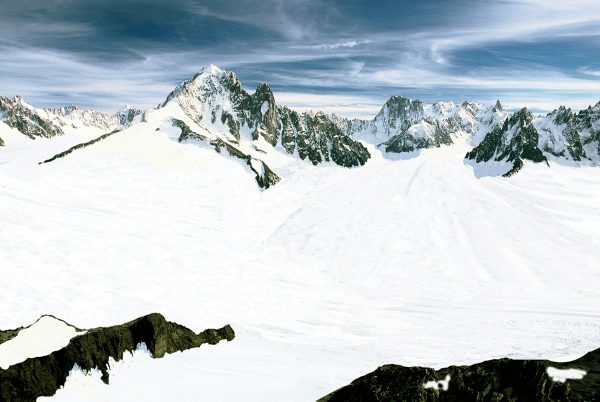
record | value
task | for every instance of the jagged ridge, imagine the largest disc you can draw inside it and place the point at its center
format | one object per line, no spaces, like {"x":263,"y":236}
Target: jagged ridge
{"x":19,"y":115}
{"x":43,"y":376}
{"x":215,"y":100}
{"x":516,"y":140}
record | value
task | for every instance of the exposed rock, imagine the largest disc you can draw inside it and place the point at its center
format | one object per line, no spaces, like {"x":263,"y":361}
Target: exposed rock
{"x":8,"y":334}
{"x":428,"y":134}
{"x":128,"y":116}
{"x":1,"y":142}
{"x":265,"y":177}
{"x":560,"y":136}
{"x":318,"y":139}
{"x":495,"y":380}
{"x":215,"y":100}
{"x":515,"y":141}
{"x":405,"y":125}
{"x":79,"y":146}
{"x":26,"y":119}
{"x":43,"y":376}
{"x":588,"y":124}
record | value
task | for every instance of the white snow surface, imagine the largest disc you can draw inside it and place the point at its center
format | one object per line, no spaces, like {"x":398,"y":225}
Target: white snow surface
{"x":560,"y":375}
{"x":45,"y":336}
{"x":441,"y":384}
{"x":324,"y":277}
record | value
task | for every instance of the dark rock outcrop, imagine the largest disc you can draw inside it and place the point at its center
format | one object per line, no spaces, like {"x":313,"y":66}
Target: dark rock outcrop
{"x":79,"y":146}
{"x":517,"y":139}
{"x":318,"y":139}
{"x":8,"y":334}
{"x":43,"y":376}
{"x":588,"y":124}
{"x":265,"y":177}
{"x":495,"y":380}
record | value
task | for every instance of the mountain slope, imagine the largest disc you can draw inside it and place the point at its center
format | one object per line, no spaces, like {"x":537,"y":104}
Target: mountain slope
{"x":215,"y":100}
{"x":405,"y":125}
{"x":516,"y":140}
{"x":561,"y":135}
{"x":18,"y":114}
{"x":214,"y":109}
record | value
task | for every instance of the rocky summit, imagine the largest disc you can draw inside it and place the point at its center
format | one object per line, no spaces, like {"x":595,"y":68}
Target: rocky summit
{"x":215,"y":100}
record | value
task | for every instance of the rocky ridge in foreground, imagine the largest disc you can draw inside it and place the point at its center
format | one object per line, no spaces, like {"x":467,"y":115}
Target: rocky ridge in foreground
{"x":43,"y":376}
{"x":494,"y":380}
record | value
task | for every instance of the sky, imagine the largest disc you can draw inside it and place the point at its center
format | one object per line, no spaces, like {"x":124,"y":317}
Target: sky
{"x":343,"y":56}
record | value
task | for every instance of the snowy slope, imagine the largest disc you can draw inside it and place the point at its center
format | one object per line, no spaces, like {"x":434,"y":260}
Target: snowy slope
{"x":43,"y":337}
{"x":415,"y":259}
{"x":325,"y":276}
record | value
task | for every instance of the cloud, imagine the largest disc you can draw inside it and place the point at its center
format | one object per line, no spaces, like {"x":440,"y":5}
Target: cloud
{"x":343,"y":105}
{"x":589,"y":71}
{"x":106,"y":54}
{"x":332,"y":46}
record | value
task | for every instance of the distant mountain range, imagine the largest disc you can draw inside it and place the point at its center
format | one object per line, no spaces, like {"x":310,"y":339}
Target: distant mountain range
{"x":212,"y":109}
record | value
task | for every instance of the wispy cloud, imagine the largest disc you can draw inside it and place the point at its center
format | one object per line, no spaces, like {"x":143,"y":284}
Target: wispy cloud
{"x":589,"y":71}
{"x":353,"y":53}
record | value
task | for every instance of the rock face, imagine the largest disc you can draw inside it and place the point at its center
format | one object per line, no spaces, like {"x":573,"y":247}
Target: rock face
{"x":215,"y":100}
{"x":573,"y":136}
{"x":494,"y":380}
{"x":516,"y":140}
{"x":405,"y":125}
{"x":43,"y":376}
{"x":46,"y":123}
{"x":17,"y":114}
{"x":562,"y":134}
{"x":128,"y":116}
{"x":265,"y":177}
{"x":8,"y":334}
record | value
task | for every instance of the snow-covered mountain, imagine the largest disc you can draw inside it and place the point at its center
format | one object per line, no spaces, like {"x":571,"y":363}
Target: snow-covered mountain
{"x":72,"y":117}
{"x":404,"y":125}
{"x":212,"y":109}
{"x":325,"y":276}
{"x":18,"y":114}
{"x":561,"y":135}
{"x":46,"y":123}
{"x":216,"y":102}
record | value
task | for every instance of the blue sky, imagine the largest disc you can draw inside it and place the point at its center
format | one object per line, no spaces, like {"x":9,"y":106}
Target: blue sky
{"x":343,"y":56}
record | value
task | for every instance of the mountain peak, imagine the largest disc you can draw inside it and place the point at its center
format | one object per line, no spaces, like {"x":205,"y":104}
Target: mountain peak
{"x":210,"y":71}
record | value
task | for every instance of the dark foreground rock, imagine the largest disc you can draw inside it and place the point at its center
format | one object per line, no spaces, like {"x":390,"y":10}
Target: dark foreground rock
{"x":43,"y":376}
{"x":494,"y":380}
